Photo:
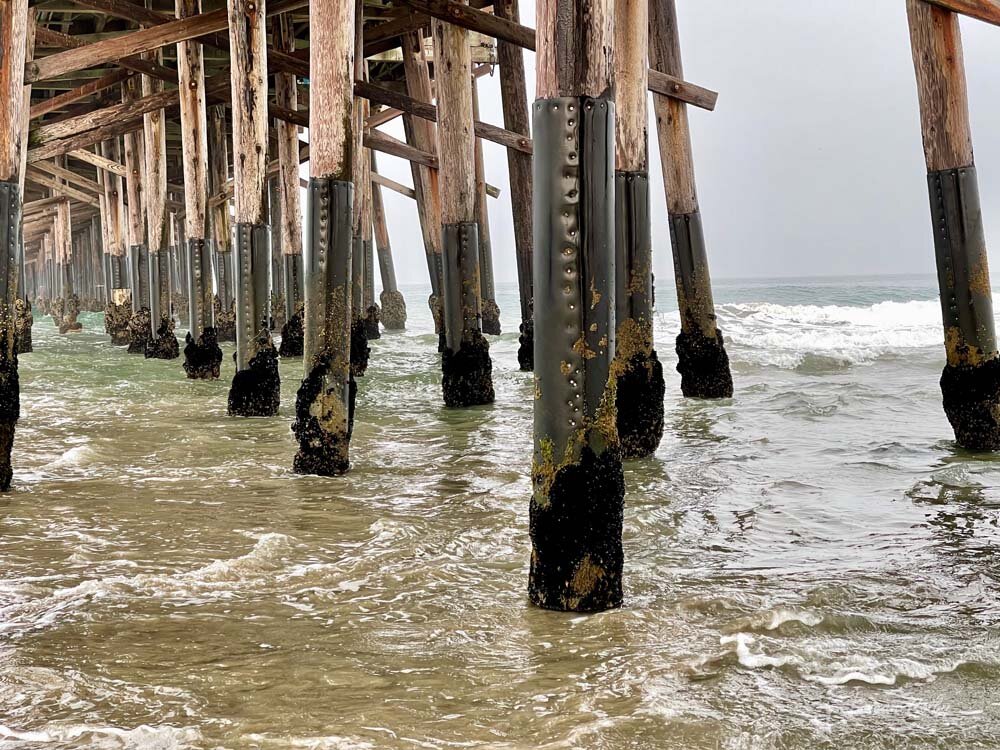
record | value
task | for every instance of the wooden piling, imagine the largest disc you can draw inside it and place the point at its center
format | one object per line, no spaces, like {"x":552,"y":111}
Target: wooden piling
{"x":637,"y":369}
{"x":393,"y":305}
{"x":286,"y":95}
{"x":701,"y":352}
{"x":324,"y":407}
{"x":422,"y":134}
{"x":255,"y":389}
{"x":118,"y":309}
{"x":139,"y":324}
{"x":578,"y":499}
{"x":202,"y":355}
{"x":222,"y":257}
{"x":162,"y":343}
{"x":514,"y":99}
{"x":490,"y":309}
{"x":465,"y":362}
{"x":970,"y":383}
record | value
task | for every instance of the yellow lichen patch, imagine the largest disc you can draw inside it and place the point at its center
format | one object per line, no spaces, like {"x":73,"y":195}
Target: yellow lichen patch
{"x":959,"y":351}
{"x":595,"y":296}
{"x":330,"y":411}
{"x":593,"y":327}
{"x":586,"y":577}
{"x":543,"y":471}
{"x":580,"y":348}
{"x":979,"y":277}
{"x":633,"y":338}
{"x":538,"y":389}
{"x":565,"y":367}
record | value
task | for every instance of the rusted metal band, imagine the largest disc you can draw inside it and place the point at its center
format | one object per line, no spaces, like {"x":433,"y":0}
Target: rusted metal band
{"x":252,"y":260}
{"x":292,"y":283}
{"x":694,"y":286}
{"x":10,"y":241}
{"x":633,"y":249}
{"x":357,"y":277}
{"x":199,"y":286}
{"x":962,"y":266}
{"x":369,"y":263}
{"x":573,"y":266}
{"x":327,"y":265}
{"x":460,"y":243}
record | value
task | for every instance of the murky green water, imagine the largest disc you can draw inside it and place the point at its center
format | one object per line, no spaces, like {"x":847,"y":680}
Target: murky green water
{"x":812,"y":564}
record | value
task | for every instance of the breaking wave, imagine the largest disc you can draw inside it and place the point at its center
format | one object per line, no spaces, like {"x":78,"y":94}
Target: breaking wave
{"x":791,"y":336}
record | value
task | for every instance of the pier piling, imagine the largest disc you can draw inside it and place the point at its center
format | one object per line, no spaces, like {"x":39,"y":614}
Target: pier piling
{"x":255,"y":390}
{"x":637,"y":369}
{"x":970,"y":382}
{"x":578,"y":484}
{"x":465,"y":362}
{"x":324,"y":406}
{"x":202,"y":355}
{"x":393,"y":305}
{"x":701,"y":352}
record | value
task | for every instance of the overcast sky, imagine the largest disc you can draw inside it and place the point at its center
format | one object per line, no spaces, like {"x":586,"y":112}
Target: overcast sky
{"x":810,"y":165}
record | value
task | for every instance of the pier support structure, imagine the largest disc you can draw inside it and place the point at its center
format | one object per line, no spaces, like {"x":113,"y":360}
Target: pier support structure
{"x":970,"y":383}
{"x":290,"y":236}
{"x":360,"y":351}
{"x":487,"y":287}
{"x":701,"y":353}
{"x":393,"y":312}
{"x":202,"y":355}
{"x":514,"y":99}
{"x":118,"y":307}
{"x":422,"y":134}
{"x":578,"y":484}
{"x":372,"y":312}
{"x":162,"y":343}
{"x":63,"y":238}
{"x":138,"y":252}
{"x":465,"y":362}
{"x":637,"y":369}
{"x":324,"y":406}
{"x":13,"y":134}
{"x":222,"y":256}
{"x":255,"y":391}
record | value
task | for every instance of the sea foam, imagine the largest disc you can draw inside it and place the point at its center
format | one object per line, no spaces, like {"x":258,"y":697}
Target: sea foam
{"x":786,"y":336}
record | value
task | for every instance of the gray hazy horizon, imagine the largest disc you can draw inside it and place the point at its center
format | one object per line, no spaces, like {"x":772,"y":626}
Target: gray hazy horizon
{"x":811,"y":164}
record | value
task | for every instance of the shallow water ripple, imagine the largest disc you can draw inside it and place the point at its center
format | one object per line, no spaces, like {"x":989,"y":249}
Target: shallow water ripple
{"x":811,"y":564}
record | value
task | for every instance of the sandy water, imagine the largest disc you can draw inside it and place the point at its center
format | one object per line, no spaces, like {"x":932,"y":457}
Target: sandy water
{"x":811,"y":564}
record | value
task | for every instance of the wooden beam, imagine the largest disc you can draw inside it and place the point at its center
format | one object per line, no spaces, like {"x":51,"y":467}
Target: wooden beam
{"x":286,"y":94}
{"x":70,"y":176}
{"x":55,"y":38}
{"x":138,"y":42}
{"x":42,"y":179}
{"x":80,"y":92}
{"x":390,"y":98}
{"x":13,"y":46}
{"x":276,"y":60}
{"x":393,"y":185}
{"x":981,"y":10}
{"x":98,"y":161}
{"x":510,"y":31}
{"x":386,"y":144}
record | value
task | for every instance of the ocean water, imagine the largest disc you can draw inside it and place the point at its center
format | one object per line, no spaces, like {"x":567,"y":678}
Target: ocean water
{"x":812,"y":564}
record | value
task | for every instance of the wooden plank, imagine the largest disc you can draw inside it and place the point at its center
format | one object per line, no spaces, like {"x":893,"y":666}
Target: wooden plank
{"x":677,"y":88}
{"x":138,"y":42}
{"x":42,"y":179}
{"x":70,"y":177}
